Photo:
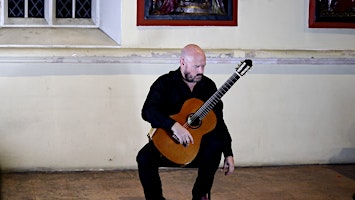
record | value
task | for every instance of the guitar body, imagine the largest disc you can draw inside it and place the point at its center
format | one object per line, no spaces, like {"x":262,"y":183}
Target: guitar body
{"x":176,"y":152}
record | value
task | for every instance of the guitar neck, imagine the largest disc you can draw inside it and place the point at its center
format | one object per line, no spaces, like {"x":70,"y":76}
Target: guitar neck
{"x":241,"y":70}
{"x":216,"y":97}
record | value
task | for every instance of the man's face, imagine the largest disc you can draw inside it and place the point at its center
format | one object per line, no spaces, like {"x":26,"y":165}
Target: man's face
{"x":193,"y":67}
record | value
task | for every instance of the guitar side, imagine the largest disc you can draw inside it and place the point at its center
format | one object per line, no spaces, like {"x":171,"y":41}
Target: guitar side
{"x":176,"y":152}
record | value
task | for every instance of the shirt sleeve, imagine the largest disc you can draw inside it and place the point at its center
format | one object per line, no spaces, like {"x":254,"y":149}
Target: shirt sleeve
{"x":227,"y":150}
{"x":153,"y":110}
{"x":222,"y":130}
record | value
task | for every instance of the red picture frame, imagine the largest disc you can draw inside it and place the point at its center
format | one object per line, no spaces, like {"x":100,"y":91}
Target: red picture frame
{"x":145,"y":18}
{"x":318,"y":20}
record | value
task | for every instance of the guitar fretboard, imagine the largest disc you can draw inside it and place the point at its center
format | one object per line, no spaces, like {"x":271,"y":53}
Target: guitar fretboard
{"x":216,"y":97}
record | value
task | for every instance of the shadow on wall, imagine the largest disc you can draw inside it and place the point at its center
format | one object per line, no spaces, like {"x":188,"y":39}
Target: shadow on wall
{"x":346,"y":156}
{"x":2,"y":171}
{"x":346,"y":170}
{"x":0,"y":180}
{"x":344,"y":163}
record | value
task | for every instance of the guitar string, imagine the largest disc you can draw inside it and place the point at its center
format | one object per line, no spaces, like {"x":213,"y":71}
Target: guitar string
{"x":219,"y":95}
{"x":212,"y":101}
{"x":216,"y":97}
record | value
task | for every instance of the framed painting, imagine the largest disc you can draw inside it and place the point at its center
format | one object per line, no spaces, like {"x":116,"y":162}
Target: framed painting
{"x":187,"y":12}
{"x":331,"y":14}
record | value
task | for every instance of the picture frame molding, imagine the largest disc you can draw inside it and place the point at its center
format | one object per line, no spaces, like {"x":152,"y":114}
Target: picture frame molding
{"x":313,"y":23}
{"x":145,"y":19}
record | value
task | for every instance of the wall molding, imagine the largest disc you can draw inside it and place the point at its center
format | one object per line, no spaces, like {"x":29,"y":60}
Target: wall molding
{"x":141,"y":56}
{"x":39,"y":62}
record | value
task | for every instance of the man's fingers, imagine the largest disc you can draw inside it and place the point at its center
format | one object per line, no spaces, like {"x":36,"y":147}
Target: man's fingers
{"x":187,"y":139}
{"x":191,"y":139}
{"x":229,"y":170}
{"x":182,"y":135}
{"x":228,"y":166}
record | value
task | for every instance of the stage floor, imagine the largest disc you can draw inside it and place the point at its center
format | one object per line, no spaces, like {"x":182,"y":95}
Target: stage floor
{"x":314,"y":182}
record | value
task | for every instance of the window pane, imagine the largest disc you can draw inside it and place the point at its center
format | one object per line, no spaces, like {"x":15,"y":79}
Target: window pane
{"x":83,"y":9}
{"x":36,"y":8}
{"x":16,"y":8}
{"x":64,"y":9}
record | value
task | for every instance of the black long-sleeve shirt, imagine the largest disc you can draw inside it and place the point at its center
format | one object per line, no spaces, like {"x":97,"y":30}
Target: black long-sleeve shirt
{"x":168,"y":94}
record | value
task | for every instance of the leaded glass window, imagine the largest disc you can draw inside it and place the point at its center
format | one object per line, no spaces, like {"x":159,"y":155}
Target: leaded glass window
{"x":16,"y":8}
{"x":54,"y":13}
{"x":36,"y":8}
{"x":78,"y":8}
{"x":64,"y":8}
{"x":26,"y":8}
{"x":83,"y":9}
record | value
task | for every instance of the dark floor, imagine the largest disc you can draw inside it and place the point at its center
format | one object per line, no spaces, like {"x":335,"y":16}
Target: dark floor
{"x":314,"y":182}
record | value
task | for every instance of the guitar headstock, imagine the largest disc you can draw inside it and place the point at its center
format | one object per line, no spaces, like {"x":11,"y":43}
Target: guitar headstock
{"x":244,"y":67}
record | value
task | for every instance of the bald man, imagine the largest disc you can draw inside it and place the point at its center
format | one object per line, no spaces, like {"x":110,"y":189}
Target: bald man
{"x":165,"y":98}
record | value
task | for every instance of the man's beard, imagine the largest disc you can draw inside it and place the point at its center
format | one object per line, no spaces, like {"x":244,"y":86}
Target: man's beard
{"x":192,"y":79}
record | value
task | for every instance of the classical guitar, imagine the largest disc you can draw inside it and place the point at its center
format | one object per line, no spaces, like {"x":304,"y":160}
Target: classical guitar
{"x":198,"y":118}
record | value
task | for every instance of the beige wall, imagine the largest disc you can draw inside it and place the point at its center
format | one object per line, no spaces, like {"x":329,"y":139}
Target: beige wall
{"x":271,"y":24}
{"x":79,"y":108}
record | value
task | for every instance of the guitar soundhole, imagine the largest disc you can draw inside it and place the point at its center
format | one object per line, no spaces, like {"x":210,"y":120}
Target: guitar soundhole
{"x":193,"y":123}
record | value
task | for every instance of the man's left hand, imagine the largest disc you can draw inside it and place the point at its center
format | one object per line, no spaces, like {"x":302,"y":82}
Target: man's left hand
{"x":228,"y":166}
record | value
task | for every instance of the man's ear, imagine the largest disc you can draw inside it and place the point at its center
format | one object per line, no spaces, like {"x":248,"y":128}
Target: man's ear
{"x":182,"y":61}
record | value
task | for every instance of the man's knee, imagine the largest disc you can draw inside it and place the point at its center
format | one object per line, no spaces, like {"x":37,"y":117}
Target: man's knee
{"x":141,"y":158}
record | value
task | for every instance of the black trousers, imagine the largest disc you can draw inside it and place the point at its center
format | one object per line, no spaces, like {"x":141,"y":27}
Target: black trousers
{"x":207,"y":161}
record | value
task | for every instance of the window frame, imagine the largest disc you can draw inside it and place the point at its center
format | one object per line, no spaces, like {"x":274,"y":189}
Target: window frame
{"x":50,"y":19}
{"x":106,"y":16}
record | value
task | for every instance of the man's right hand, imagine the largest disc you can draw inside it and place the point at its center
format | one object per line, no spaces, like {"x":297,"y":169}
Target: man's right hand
{"x":182,"y":134}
